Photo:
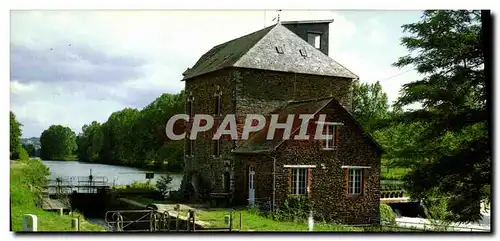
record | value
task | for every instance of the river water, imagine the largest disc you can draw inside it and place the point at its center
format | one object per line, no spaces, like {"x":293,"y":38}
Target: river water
{"x":116,"y":175}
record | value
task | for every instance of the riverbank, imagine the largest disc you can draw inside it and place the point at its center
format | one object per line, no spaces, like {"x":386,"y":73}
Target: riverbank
{"x":26,"y":179}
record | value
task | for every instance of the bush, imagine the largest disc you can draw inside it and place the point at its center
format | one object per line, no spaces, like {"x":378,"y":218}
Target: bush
{"x":295,"y":208}
{"x":163,"y":184}
{"x":23,"y":154}
{"x":387,"y":215}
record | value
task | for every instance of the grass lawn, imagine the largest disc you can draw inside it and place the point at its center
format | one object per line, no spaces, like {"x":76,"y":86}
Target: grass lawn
{"x":255,"y":222}
{"x":393,"y":173}
{"x":22,"y":199}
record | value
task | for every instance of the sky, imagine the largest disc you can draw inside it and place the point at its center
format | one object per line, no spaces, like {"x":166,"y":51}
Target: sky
{"x":73,"y":67}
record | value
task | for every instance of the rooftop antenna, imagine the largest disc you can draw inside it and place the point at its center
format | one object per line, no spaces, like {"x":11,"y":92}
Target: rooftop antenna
{"x":277,"y":18}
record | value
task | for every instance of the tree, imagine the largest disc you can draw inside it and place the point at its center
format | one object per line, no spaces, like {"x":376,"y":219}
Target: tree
{"x":30,"y":149}
{"x":15,"y":137}
{"x":453,"y":149}
{"x":369,"y":103}
{"x":57,"y":143}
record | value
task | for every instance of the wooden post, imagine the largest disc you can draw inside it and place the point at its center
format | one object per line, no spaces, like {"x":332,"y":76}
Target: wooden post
{"x":177,"y":222}
{"x":75,"y":224}
{"x":30,"y":223}
{"x":194,"y":219}
{"x":188,"y":219}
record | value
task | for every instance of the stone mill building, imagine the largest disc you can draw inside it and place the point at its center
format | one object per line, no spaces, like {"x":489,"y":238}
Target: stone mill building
{"x":283,"y":69}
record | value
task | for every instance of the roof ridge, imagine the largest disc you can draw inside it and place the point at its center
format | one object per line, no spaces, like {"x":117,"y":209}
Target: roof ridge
{"x":249,"y":49}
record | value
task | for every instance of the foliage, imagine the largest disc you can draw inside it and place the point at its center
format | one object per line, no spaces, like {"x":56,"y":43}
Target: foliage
{"x":57,"y":143}
{"x":451,"y":153}
{"x":436,"y":210}
{"x":30,"y":149}
{"x":369,"y":103}
{"x":26,"y":178}
{"x":295,"y":208}
{"x":23,"y":154}
{"x":135,"y":138}
{"x":387,"y":215}
{"x":163,"y":184}
{"x":15,"y":137}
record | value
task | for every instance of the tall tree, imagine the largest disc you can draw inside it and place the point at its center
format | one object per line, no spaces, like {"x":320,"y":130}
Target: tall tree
{"x":30,"y":148}
{"x":453,"y":149}
{"x":57,"y":143}
{"x":369,"y":103}
{"x":15,"y":137}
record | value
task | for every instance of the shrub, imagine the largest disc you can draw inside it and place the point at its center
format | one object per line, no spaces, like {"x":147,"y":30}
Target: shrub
{"x":387,"y":215}
{"x":295,"y":208}
{"x":163,"y":184}
{"x":23,"y":154}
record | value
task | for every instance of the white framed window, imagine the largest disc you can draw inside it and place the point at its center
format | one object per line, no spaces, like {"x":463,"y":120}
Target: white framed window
{"x":329,"y":131}
{"x":314,"y":39}
{"x":299,"y":181}
{"x":355,"y":180}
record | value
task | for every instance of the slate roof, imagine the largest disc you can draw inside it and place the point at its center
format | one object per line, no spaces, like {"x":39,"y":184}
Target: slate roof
{"x":258,"y":51}
{"x":257,"y":143}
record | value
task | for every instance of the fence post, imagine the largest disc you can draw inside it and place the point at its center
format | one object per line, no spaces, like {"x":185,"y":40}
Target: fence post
{"x":188,"y":219}
{"x":194,"y":219}
{"x":177,"y":222}
{"x":30,"y":223}
{"x":75,"y":224}
{"x":311,"y":221}
{"x":61,"y":212}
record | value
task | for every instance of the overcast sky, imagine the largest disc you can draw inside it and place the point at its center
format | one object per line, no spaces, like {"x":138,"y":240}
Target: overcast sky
{"x":73,"y":67}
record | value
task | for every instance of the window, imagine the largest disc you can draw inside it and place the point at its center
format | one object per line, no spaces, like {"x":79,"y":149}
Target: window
{"x":330,"y":132}
{"x":217,"y":147}
{"x":355,"y":179}
{"x":314,"y":39}
{"x":190,"y":106}
{"x":189,"y":149}
{"x":299,"y":181}
{"x":226,"y":182}
{"x":217,"y":105}
{"x":189,"y":146}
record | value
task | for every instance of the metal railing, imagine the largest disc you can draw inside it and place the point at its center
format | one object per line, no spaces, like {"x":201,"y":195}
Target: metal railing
{"x":81,"y":184}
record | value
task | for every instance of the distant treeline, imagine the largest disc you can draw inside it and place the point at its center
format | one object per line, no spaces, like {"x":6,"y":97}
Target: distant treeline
{"x":134,"y":138}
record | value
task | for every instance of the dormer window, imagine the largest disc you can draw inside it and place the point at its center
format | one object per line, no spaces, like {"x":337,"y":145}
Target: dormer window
{"x":314,"y":39}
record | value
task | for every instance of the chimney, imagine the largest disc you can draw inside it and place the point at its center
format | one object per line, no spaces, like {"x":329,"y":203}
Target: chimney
{"x":315,"y":32}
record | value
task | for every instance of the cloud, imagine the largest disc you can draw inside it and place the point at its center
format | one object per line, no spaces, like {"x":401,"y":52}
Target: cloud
{"x":71,"y":63}
{"x":121,"y":59}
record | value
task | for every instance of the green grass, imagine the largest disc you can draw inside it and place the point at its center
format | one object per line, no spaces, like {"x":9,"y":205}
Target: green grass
{"x":254,"y":222}
{"x":25,"y":176}
{"x":394,"y":173}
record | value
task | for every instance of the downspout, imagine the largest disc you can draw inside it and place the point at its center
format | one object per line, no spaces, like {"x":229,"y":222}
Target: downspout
{"x":274,"y":183}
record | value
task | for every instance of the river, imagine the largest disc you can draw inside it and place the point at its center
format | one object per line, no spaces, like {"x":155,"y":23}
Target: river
{"x":116,"y":175}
